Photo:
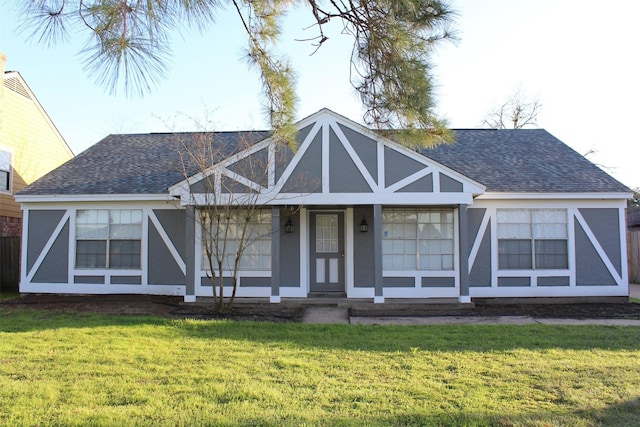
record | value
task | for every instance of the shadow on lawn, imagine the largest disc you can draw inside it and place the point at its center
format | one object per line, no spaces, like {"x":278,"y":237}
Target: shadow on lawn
{"x":623,"y":414}
{"x":476,"y":338}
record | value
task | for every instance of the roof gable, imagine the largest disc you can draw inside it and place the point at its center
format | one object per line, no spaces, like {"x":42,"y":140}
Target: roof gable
{"x":337,"y":161}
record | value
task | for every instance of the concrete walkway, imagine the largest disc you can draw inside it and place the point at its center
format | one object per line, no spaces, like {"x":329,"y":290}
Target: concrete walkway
{"x":340,"y":315}
{"x":487,"y":320}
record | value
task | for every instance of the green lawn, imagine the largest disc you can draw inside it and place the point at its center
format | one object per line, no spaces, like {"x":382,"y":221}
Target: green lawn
{"x":78,"y":369}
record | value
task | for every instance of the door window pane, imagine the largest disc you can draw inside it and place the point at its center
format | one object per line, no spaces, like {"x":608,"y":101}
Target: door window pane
{"x":327,"y":233}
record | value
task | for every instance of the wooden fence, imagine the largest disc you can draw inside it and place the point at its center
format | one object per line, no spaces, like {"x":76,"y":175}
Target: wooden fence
{"x":633,"y":247}
{"x":9,"y":263}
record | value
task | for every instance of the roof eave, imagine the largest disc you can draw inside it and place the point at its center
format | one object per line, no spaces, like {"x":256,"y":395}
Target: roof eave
{"x":492,"y":195}
{"x":54,"y":198}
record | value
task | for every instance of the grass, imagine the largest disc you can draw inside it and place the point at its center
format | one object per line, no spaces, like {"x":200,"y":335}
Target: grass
{"x":5,"y":296}
{"x":79,"y":369}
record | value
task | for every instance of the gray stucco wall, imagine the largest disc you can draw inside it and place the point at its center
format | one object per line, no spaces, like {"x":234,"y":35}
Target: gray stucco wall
{"x":289,"y":250}
{"x":253,"y":167}
{"x":344,"y":175}
{"x":438,"y":282}
{"x":172,"y":221}
{"x":422,"y":185}
{"x":364,"y":255}
{"x":163,"y":269}
{"x":605,"y":225}
{"x":398,"y":166}
{"x":480,"y":275}
{"x":42,"y":223}
{"x":590,"y":269}
{"x":284,"y":154}
{"x":55,"y":266}
{"x":449,"y":185}
{"x":553,"y":281}
{"x":366,"y":148}
{"x":398,"y":282}
{"x":514,"y":282}
{"x":307,"y":175}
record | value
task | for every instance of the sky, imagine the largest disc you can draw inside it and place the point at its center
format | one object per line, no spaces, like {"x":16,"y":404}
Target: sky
{"x":579,"y":58}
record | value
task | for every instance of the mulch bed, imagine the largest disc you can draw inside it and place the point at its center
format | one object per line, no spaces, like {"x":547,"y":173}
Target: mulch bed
{"x":173,"y":307}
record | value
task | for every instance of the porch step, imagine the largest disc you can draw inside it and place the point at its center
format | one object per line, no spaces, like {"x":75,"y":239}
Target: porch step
{"x":410,"y":308}
{"x":326,"y":295}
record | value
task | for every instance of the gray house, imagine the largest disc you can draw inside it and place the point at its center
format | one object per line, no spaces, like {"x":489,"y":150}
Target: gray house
{"x":500,"y":213}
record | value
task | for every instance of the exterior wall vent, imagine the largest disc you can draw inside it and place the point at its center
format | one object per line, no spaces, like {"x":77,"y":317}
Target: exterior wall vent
{"x":14,"y":84}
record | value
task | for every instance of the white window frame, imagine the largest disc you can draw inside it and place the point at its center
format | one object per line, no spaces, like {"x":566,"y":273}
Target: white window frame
{"x":9,"y":171}
{"x":259,"y":247}
{"x":108,"y":239}
{"x":417,"y":239}
{"x":531,"y":237}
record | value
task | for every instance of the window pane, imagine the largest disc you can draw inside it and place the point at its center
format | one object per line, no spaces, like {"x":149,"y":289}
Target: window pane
{"x":92,"y":224}
{"x":4,"y":180}
{"x":410,"y":262}
{"x":125,"y":231}
{"x":447,"y":262}
{"x":327,"y":233}
{"x":91,"y":254}
{"x":514,"y":254}
{"x":92,"y":231}
{"x":549,"y":223}
{"x":5,"y":160}
{"x":551,"y":254}
{"x":124,"y":254}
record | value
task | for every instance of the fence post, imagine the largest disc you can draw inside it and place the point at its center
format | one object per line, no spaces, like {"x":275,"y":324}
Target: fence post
{"x":633,"y":252}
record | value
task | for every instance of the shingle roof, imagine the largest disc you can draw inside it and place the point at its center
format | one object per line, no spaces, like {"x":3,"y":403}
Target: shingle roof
{"x":136,"y":164}
{"x":502,"y":160}
{"x":522,"y":160}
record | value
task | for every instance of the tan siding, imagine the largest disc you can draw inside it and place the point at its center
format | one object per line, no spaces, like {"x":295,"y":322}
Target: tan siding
{"x":8,"y":206}
{"x":37,"y":146}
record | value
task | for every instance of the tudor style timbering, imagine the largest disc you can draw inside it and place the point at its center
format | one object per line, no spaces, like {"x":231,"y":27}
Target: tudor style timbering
{"x":432,"y":232}
{"x":50,"y":262}
{"x":336,"y":162}
{"x":594,"y":251}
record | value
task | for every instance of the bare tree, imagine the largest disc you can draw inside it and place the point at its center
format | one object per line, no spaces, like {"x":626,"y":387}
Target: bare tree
{"x":633,"y":204}
{"x":519,"y":111}
{"x":228,"y":183}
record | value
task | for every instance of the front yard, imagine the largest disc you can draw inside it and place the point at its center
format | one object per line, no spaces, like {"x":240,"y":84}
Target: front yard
{"x":88,"y":369}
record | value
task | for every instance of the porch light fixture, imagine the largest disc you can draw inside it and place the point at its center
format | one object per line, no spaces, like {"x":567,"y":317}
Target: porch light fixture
{"x":288,"y":226}
{"x":364,"y":227}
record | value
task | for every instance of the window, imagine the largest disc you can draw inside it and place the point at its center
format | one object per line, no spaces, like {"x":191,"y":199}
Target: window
{"x":417,"y":239}
{"x":256,"y":242}
{"x":532,"y":239}
{"x":5,"y":171}
{"x":108,"y":238}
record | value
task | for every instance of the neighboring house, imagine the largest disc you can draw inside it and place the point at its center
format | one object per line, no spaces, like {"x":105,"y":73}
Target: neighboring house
{"x":499,"y":213}
{"x":633,"y":219}
{"x":30,"y":146}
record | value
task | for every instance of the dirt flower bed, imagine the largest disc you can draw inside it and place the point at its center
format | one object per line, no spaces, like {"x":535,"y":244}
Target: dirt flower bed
{"x":174,"y":307}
